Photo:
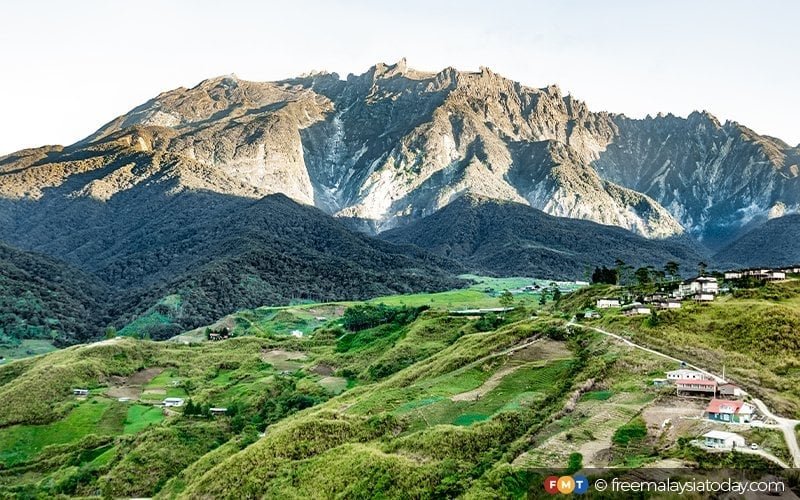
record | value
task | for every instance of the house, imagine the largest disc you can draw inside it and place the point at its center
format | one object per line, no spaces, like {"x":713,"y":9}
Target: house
{"x":733,"y":275}
{"x":635,"y":309}
{"x":80,"y":392}
{"x":776,"y":276}
{"x":606,"y":303}
{"x":581,"y":283}
{"x":214,"y":336}
{"x":669,"y":304}
{"x":591,"y":314}
{"x":686,"y":374}
{"x":172,"y":402}
{"x":656,"y":297}
{"x":660,"y":382}
{"x":701,"y":284}
{"x":703,"y":297}
{"x":216,"y":411}
{"x":696,"y":386}
{"x":722,"y":439}
{"x":725,"y":410}
{"x":730,"y":390}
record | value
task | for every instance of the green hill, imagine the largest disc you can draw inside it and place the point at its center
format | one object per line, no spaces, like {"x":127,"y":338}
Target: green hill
{"x":506,"y":238}
{"x":373,"y":400}
{"x":43,"y":299}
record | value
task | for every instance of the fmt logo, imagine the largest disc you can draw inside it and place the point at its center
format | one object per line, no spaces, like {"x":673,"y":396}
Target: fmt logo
{"x":566,"y":485}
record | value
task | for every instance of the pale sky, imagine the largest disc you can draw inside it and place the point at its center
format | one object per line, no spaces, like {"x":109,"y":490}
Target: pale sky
{"x":70,"y":66}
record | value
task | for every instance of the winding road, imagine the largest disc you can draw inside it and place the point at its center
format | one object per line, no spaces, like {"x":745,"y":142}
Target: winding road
{"x":785,"y":425}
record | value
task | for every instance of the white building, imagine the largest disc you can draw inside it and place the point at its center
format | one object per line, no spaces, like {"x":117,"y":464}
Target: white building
{"x":722,"y":439}
{"x":173,"y":402}
{"x":704,"y":297}
{"x":776,"y":276}
{"x":686,"y":374}
{"x":733,"y":275}
{"x":669,"y":304}
{"x":607,"y":303}
{"x":635,"y":309}
{"x":701,"y":284}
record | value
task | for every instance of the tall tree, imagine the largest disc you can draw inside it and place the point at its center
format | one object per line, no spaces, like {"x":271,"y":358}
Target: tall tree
{"x":506,"y":299}
{"x":672,"y":269}
{"x":701,"y":268}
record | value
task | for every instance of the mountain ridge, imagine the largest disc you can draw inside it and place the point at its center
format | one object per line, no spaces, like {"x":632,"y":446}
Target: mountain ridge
{"x":509,"y":238}
{"x":395,"y":144}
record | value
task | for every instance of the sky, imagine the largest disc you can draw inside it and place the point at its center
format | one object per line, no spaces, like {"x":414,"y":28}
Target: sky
{"x":69,"y":67}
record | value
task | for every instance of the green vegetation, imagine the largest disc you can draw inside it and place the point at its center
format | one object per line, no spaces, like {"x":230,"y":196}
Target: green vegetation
{"x":374,"y":399}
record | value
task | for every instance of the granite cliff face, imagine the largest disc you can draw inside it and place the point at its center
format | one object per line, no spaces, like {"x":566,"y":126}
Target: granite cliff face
{"x":395,"y":144}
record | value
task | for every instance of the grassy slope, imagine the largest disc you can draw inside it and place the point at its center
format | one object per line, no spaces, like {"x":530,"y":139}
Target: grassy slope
{"x":433,"y":408}
{"x":754,"y":334}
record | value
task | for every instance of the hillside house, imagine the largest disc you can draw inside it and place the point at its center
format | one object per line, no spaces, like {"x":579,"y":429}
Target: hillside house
{"x":607,"y":303}
{"x":699,"y":285}
{"x":591,"y":314}
{"x":723,"y":440}
{"x":80,"y":392}
{"x":686,"y":374}
{"x":217,"y":411}
{"x":730,"y":391}
{"x":703,"y":297}
{"x":669,"y":304}
{"x":635,"y":309}
{"x":725,"y":410}
{"x":172,"y":402}
{"x":696,"y":387}
{"x":776,"y":276}
{"x":733,"y":275}
{"x":216,"y":336}
{"x":656,"y":297}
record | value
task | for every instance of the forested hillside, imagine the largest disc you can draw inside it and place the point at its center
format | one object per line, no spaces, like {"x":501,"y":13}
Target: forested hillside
{"x":512,"y":239}
{"x":41,"y":298}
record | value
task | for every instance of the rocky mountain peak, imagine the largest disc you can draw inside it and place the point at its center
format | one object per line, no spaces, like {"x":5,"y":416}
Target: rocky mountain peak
{"x":394,"y":144}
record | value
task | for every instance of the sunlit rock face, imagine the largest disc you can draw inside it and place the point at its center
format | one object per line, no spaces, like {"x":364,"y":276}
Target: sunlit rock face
{"x":395,"y":144}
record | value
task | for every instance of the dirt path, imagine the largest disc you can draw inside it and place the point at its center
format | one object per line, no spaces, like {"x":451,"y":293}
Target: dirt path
{"x":786,"y":425}
{"x":487,"y":386}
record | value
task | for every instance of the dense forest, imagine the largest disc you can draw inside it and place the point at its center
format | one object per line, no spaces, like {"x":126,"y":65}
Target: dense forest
{"x":511,"y":239}
{"x":190,"y":266}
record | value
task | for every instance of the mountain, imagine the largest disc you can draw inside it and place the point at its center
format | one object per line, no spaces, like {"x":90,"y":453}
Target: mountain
{"x":41,"y":298}
{"x":248,"y":253}
{"x":173,"y":258}
{"x":716,"y":179}
{"x":395,"y":144}
{"x":166,"y":204}
{"x":773,"y":243}
{"x":509,"y":238}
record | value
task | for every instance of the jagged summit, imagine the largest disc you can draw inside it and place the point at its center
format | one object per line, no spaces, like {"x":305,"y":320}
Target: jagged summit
{"x":394,"y":144}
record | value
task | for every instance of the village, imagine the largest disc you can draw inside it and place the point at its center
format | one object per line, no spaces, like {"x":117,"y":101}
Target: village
{"x":700,"y":289}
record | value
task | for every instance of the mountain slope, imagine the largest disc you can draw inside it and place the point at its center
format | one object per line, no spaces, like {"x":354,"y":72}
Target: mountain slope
{"x":46,"y":299}
{"x":181,"y":254}
{"x":395,"y":144}
{"x":268,"y":251}
{"x":387,"y":145}
{"x":774,"y":243}
{"x":714,"y":178}
{"x":514,"y":239}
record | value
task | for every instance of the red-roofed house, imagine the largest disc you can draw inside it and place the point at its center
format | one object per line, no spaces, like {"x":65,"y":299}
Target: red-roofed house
{"x":723,"y":410}
{"x":696,"y":386}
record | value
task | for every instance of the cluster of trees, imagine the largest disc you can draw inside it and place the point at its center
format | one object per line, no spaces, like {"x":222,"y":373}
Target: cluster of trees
{"x":363,"y":316}
{"x":642,"y":277}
